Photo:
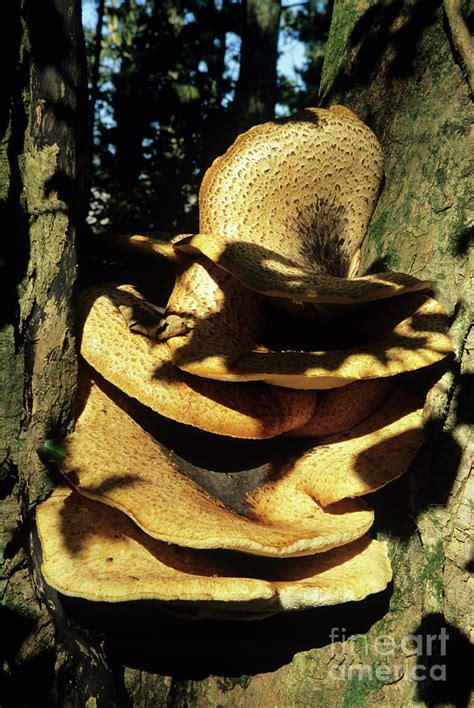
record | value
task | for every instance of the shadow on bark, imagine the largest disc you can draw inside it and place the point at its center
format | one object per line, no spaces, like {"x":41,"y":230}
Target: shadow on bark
{"x":23,"y":683}
{"x":14,"y":251}
{"x":445,"y":658}
{"x":140,"y":636}
{"x":377,"y":35}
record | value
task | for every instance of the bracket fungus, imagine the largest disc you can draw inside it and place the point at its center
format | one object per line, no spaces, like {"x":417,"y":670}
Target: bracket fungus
{"x":110,"y":458}
{"x":141,"y":367}
{"x":286,"y":208}
{"x":230,"y":336}
{"x":372,"y":454}
{"x":169,"y":501}
{"x":97,"y":553}
{"x":339,"y":409}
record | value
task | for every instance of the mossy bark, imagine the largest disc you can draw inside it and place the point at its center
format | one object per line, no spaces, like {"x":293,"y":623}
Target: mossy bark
{"x":42,"y":113}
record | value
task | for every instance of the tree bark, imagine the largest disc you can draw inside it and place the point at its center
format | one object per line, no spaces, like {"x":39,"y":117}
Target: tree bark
{"x":43,"y":114}
{"x":256,"y":89}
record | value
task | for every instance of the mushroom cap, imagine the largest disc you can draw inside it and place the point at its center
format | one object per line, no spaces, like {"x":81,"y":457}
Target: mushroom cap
{"x":270,"y":273}
{"x":142,"y":368}
{"x":303,"y":187}
{"x":372,"y":454}
{"x":339,"y":409}
{"x":110,"y":458}
{"x":228,"y":324}
{"x":144,"y":244}
{"x":95,"y":552}
{"x":286,"y":208}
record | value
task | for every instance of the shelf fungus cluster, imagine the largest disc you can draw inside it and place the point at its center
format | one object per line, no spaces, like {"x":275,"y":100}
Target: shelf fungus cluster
{"x":225,"y":439}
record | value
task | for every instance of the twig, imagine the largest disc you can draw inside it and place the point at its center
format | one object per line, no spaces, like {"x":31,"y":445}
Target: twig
{"x":461,"y":38}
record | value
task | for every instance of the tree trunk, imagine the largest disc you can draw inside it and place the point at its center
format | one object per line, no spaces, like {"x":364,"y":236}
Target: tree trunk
{"x":256,"y":90}
{"x":42,"y":111}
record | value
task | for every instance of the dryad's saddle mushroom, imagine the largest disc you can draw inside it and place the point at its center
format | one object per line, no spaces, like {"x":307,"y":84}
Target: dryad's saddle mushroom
{"x":141,"y":367}
{"x":110,"y":458}
{"x":285,"y":210}
{"x":97,"y":553}
{"x":267,"y":303}
{"x":230,"y":339}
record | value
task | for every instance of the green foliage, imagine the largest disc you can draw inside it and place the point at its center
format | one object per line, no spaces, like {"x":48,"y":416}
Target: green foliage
{"x":162,"y":88}
{"x":51,"y":450}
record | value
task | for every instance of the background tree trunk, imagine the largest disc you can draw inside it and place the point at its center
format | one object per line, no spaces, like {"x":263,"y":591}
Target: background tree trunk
{"x":256,"y":89}
{"x":396,"y":66}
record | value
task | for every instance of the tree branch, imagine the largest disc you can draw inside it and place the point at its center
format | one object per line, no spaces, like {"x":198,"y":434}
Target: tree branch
{"x":461,"y":38}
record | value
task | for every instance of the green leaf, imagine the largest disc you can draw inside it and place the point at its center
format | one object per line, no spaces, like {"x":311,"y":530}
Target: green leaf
{"x":186,"y":92}
{"x":51,"y":450}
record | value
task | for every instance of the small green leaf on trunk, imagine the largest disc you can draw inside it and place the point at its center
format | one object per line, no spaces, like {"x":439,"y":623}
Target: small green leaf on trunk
{"x":51,"y":450}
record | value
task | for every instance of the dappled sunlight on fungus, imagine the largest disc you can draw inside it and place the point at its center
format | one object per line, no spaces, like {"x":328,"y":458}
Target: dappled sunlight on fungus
{"x":227,"y":324}
{"x":108,"y":445}
{"x":268,"y":302}
{"x":142,"y":368}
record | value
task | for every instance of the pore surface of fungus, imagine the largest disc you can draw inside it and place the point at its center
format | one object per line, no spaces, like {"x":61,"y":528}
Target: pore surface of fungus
{"x":142,"y":368}
{"x":95,"y":552}
{"x":110,"y":458}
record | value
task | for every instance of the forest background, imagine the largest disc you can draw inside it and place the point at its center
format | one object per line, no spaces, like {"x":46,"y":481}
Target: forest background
{"x":173,"y":83}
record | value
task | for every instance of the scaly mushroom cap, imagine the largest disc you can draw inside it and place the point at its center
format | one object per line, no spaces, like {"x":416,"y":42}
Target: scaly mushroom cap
{"x":232,"y":338}
{"x":274,"y":275}
{"x":302,"y":187}
{"x":142,"y":368}
{"x":110,"y":458}
{"x":95,"y":552}
{"x":339,"y":409}
{"x":371,"y":455}
{"x":286,"y":208}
